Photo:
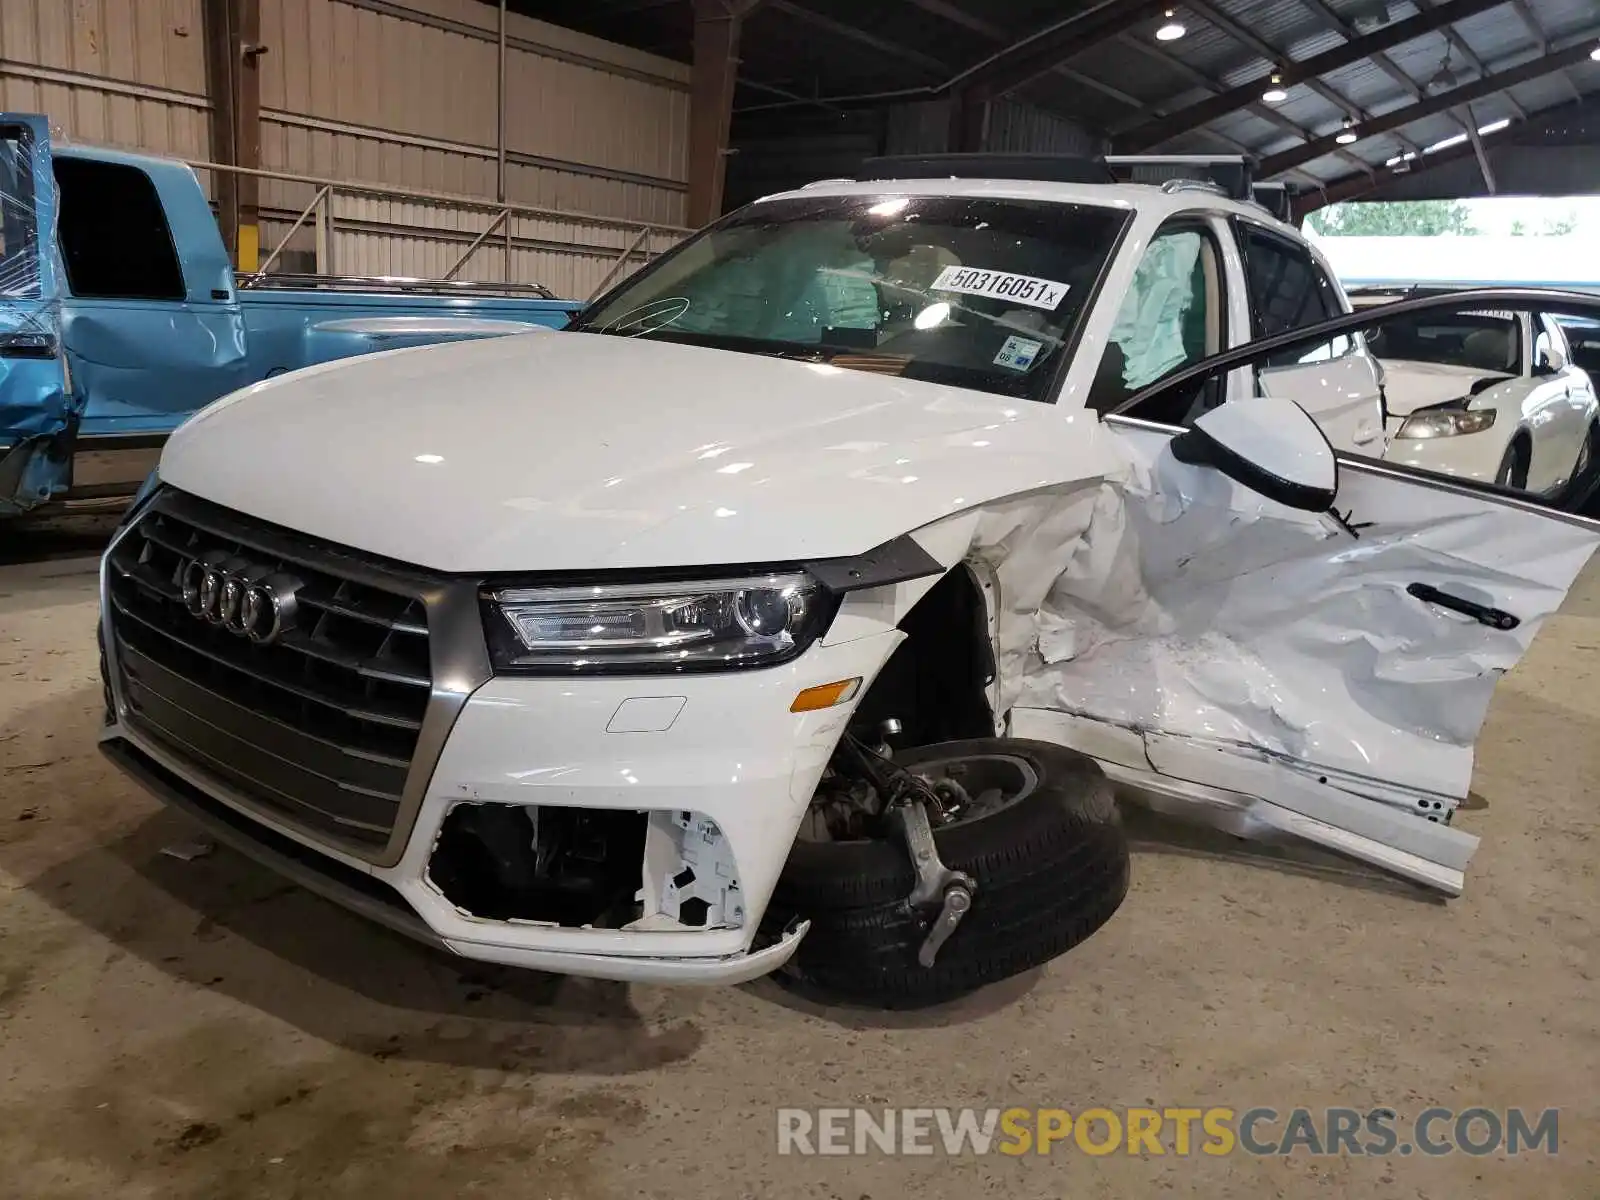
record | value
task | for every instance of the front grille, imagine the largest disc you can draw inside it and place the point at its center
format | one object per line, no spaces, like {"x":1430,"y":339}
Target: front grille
{"x":321,"y":725}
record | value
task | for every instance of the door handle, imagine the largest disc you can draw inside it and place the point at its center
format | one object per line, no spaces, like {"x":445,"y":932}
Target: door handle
{"x":1495,"y":618}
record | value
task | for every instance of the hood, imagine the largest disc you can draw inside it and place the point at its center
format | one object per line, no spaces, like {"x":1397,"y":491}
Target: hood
{"x":584,"y":452}
{"x":1409,"y":385}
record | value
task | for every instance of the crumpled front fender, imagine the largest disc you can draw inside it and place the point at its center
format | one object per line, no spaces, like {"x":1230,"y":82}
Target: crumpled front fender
{"x":38,"y":417}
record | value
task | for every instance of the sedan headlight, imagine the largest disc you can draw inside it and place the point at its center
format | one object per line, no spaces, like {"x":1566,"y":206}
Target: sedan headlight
{"x":699,"y":625}
{"x":1446,"y":423}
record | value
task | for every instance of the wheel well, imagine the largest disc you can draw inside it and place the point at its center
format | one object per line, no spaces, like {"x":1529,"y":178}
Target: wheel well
{"x":935,"y":683}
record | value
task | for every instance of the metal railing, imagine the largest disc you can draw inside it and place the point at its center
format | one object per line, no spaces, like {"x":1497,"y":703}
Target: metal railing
{"x":392,"y":283}
{"x":320,"y":214}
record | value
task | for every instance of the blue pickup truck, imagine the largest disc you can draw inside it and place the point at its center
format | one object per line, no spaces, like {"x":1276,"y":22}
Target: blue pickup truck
{"x":120,"y":315}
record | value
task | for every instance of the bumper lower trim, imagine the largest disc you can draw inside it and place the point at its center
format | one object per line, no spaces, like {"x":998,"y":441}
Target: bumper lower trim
{"x":331,"y":880}
{"x":731,"y":969}
{"x":369,"y":896}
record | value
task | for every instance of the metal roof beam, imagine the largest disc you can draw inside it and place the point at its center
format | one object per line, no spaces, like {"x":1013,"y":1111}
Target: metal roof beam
{"x":1272,"y":54}
{"x":1032,"y":56}
{"x":1470,"y":56}
{"x":1383,"y":62}
{"x":852,"y":33}
{"x":1004,"y":71}
{"x":1353,"y":187}
{"x":1397,"y":33}
{"x":1337,"y":24}
{"x":988,"y":29}
{"x":960,"y":16}
{"x":1575,"y":52}
{"x":1265,"y":111}
{"x":1526,"y":15}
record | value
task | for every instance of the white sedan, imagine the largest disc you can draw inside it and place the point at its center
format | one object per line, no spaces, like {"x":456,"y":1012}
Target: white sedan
{"x":1490,"y":396}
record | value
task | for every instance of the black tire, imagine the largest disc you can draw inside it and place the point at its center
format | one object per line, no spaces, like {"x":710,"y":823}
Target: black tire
{"x":1513,"y":472}
{"x":1051,"y":869}
{"x":1582,"y":488}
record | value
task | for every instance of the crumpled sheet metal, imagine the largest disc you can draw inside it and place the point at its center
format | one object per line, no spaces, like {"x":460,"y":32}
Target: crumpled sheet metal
{"x":1168,"y":600}
{"x":34,"y":402}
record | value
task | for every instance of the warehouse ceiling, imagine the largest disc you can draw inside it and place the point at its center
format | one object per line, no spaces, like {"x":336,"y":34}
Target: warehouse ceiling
{"x":1368,"y":90}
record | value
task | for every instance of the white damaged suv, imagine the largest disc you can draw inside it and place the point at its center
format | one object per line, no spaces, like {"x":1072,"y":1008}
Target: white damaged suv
{"x":802,"y":606}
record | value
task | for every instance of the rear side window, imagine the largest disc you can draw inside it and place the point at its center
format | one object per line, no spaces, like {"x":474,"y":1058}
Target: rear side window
{"x":19,"y":240}
{"x":115,"y":242}
{"x":1288,"y":291}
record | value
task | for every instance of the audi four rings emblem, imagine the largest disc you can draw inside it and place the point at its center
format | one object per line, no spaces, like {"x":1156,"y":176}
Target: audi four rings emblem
{"x":246,"y":599}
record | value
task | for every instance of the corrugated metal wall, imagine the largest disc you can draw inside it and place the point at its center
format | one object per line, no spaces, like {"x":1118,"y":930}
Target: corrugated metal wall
{"x":1017,"y":128}
{"x":1011,"y":127}
{"x":123,"y":72}
{"x":773,"y":152}
{"x":388,"y":92}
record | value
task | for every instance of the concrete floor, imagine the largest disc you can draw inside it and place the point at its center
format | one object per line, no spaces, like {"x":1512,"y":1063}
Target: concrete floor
{"x":197,"y":1029}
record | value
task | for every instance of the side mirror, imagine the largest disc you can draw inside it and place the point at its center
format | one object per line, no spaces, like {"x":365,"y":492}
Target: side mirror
{"x":1269,"y":445}
{"x":1548,"y":356}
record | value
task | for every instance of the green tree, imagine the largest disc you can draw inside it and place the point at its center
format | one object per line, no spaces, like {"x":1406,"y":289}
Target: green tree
{"x":1399,"y":218}
{"x":1518,"y":229}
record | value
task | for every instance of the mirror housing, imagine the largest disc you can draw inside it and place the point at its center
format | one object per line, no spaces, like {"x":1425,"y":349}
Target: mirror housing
{"x":1548,"y":355}
{"x":1269,"y":445}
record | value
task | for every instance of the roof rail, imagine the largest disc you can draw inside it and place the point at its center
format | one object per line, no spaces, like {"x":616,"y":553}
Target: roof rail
{"x":1045,"y":168}
{"x":1194,"y":185}
{"x":1230,"y":175}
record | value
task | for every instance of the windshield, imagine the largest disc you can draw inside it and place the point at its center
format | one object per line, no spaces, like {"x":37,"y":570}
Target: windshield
{"x":976,"y":293}
{"x":1488,"y":341}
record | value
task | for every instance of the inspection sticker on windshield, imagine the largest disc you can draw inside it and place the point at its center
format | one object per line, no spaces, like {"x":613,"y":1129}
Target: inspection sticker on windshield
{"x":1019,"y":353}
{"x":1002,"y":285}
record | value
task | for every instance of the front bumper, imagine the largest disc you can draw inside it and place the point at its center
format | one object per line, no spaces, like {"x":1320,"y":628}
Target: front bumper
{"x":731,"y":752}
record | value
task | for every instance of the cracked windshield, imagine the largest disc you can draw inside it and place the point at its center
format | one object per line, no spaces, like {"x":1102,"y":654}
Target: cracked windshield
{"x":981,"y":294}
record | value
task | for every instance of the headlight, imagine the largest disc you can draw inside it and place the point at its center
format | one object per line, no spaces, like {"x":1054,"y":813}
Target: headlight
{"x":1446,"y":423}
{"x":700,"y":625}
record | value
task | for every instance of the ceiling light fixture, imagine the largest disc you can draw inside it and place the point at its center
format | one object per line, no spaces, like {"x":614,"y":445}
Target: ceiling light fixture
{"x":1348,"y":135}
{"x":1595,"y":54}
{"x":1445,"y":77}
{"x":1173,"y":29}
{"x":1275,"y":93}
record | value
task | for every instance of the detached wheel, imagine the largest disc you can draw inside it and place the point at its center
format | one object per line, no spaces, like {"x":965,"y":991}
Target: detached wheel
{"x":1040,"y":836}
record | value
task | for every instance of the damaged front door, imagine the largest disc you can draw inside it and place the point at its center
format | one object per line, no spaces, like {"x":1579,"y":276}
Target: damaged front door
{"x":37,"y":415}
{"x":1318,"y":674}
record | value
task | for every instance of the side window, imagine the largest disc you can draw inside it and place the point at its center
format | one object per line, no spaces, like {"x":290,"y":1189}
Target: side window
{"x":19,"y":242}
{"x":115,"y":243}
{"x":1583,"y":337}
{"x":1289,"y":291}
{"x":1171,"y":317}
